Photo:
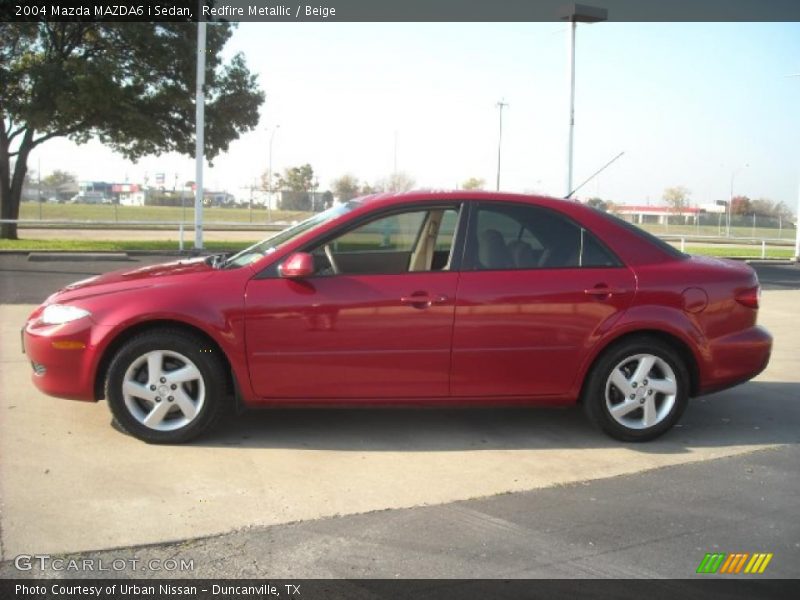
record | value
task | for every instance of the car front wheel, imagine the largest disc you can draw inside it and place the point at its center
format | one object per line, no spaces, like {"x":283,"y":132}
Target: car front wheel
{"x":166,"y":387}
{"x":637,"y":390}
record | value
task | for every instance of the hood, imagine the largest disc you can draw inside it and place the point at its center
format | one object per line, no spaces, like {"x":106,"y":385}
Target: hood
{"x":125,"y":279}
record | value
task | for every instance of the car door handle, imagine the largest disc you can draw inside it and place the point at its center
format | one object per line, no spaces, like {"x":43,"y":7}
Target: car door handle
{"x":603,"y":290}
{"x":423,"y":300}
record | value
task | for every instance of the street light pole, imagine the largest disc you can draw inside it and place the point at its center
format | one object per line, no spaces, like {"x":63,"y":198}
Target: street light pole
{"x":501,"y":105}
{"x":576,"y":13}
{"x":573,"y":26}
{"x":269,"y":175}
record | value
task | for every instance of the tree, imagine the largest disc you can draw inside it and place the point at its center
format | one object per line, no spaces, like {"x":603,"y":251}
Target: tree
{"x":129,"y":85}
{"x":345,"y":187}
{"x":598,"y":203}
{"x":473,"y":183}
{"x":741,"y":205}
{"x":677,"y":198}
{"x":58,"y":177}
{"x":295,"y":184}
{"x":396,"y":182}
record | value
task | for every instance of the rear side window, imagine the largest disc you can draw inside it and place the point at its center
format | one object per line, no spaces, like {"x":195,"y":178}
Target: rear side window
{"x":649,"y":237}
{"x":531,"y":237}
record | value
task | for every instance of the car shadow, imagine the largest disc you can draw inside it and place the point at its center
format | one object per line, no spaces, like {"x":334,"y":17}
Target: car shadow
{"x":756,"y":413}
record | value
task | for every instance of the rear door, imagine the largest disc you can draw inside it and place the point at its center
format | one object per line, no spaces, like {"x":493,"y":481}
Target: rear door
{"x":535,"y":291}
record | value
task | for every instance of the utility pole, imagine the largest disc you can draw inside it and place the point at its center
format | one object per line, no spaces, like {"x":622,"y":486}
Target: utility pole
{"x":199,"y":145}
{"x":500,"y":105}
{"x":39,"y":185}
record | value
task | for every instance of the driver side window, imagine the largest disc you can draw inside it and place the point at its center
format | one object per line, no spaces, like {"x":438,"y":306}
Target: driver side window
{"x":418,"y":240}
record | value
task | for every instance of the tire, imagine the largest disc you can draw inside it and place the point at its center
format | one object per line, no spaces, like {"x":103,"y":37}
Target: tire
{"x":185,"y":397}
{"x":637,"y":389}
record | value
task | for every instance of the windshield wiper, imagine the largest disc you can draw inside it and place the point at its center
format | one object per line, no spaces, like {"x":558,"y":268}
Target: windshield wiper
{"x":217,"y":260}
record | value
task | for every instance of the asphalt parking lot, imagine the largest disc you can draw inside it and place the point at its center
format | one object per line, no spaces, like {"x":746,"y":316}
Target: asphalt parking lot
{"x":385,"y":493}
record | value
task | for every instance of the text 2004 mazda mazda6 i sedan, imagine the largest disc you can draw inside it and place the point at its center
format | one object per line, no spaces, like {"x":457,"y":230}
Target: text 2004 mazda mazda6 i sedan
{"x":445,"y":298}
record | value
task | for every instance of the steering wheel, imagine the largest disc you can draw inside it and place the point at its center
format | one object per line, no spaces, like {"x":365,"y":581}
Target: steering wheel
{"x":331,"y":260}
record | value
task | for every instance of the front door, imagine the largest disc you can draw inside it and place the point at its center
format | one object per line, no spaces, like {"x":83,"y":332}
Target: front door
{"x":374,"y":322}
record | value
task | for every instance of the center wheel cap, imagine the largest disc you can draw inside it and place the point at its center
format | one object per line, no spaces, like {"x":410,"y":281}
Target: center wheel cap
{"x":163,"y":390}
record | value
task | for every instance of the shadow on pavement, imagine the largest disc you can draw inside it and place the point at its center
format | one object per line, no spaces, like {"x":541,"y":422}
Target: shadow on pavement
{"x":757,"y":413}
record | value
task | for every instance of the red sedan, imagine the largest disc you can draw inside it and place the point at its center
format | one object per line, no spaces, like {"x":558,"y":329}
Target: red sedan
{"x":437,"y":298}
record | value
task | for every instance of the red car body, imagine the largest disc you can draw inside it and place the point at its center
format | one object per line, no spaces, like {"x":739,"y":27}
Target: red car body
{"x":454,"y":336}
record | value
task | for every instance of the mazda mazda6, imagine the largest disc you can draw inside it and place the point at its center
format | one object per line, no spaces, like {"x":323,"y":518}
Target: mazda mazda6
{"x":424,"y":298}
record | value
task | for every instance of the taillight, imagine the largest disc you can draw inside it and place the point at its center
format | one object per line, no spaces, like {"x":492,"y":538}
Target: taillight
{"x":749,"y":297}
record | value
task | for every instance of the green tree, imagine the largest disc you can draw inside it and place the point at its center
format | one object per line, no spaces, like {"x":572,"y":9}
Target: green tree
{"x":473,"y":183}
{"x":295,"y":184}
{"x":129,"y":85}
{"x":345,"y":187}
{"x":58,"y":177}
{"x":297,"y":179}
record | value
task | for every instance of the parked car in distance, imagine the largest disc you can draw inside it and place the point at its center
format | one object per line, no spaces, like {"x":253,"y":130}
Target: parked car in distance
{"x":424,"y":298}
{"x":90,"y":198}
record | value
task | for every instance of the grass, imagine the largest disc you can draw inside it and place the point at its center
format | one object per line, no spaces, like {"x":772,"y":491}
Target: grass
{"x":785,"y":233}
{"x":106,"y":212}
{"x":115,"y":246}
{"x":235,"y":246}
{"x":739,"y":251}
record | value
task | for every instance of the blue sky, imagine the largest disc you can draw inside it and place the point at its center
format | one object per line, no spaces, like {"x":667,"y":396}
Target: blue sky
{"x":688,"y":103}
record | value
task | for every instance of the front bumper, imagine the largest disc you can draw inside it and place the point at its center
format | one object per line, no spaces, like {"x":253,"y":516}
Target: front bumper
{"x":736,"y":358}
{"x":63,"y":357}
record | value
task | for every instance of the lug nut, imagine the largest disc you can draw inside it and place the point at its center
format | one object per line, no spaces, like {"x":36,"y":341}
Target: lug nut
{"x":644,"y":382}
{"x":174,"y":387}
{"x":158,"y":398}
{"x":153,"y":388}
{"x":649,"y":392}
{"x":163,"y":380}
{"x":633,"y":396}
{"x":634,"y":384}
{"x":170,"y":398}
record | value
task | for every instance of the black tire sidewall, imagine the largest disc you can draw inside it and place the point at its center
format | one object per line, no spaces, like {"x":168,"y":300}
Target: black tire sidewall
{"x":594,"y":395}
{"x":193,"y":348}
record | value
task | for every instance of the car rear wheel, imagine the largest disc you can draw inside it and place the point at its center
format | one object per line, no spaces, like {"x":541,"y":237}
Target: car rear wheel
{"x":166,"y":387}
{"x":637,"y":390}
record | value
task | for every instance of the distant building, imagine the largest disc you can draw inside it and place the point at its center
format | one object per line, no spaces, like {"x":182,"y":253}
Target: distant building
{"x":657,"y":214}
{"x":128,"y":194}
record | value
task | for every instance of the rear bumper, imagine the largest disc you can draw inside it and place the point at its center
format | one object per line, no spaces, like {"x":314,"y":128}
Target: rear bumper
{"x":736,"y":358}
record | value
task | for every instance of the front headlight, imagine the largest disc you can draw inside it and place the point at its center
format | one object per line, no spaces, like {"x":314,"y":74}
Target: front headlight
{"x":57,"y":314}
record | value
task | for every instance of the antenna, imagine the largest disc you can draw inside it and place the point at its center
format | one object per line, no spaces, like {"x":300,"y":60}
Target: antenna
{"x":595,"y":174}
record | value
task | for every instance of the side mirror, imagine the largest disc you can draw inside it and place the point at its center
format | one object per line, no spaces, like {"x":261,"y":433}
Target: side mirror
{"x":297,"y":266}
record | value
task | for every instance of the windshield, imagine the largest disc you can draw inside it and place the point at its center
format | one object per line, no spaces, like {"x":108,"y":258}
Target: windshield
{"x":271,"y":244}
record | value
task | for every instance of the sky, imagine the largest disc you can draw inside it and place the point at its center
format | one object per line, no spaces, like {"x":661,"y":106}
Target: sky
{"x":690,"y":104}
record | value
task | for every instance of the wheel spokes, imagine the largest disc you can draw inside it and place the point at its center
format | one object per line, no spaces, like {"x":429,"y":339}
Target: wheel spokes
{"x":664,"y":386}
{"x":650,"y":417}
{"x":157,"y":414}
{"x":155,"y":366}
{"x":643,"y":368}
{"x":623,"y":408}
{"x":138,"y":390}
{"x":185,"y":374}
{"x":186,"y":405}
{"x":621,"y":382}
